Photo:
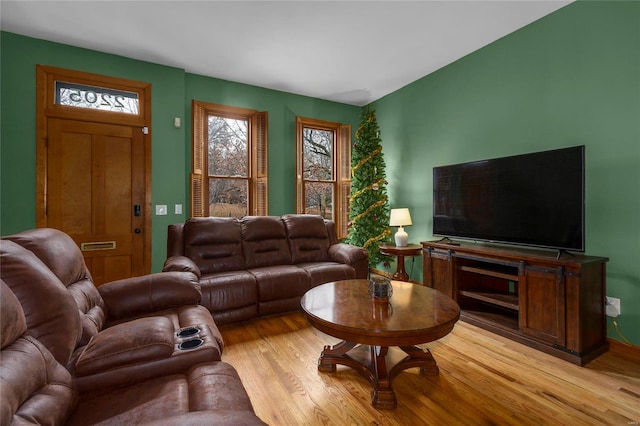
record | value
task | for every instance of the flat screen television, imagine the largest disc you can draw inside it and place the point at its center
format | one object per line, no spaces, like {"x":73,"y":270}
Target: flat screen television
{"x":534,"y":199}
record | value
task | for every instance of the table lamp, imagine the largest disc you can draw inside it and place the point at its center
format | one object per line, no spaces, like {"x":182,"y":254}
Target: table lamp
{"x":400,"y":218}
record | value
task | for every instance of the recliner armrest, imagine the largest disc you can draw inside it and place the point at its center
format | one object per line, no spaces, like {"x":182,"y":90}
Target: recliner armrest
{"x":181,"y":264}
{"x":347,"y":253}
{"x":149,"y":293}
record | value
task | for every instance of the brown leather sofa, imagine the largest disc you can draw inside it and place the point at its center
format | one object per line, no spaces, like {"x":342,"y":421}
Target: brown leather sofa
{"x":131,"y":351}
{"x":260,"y":265}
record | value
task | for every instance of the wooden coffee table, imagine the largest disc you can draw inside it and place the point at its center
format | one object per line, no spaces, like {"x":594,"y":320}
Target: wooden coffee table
{"x":379,"y":338}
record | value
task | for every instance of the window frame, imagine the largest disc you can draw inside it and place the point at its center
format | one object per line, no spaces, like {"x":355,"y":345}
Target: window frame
{"x":257,"y":151}
{"x":341,"y":163}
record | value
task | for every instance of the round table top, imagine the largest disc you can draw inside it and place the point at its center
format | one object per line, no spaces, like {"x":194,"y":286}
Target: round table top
{"x":415,"y":314}
{"x":393,"y":250}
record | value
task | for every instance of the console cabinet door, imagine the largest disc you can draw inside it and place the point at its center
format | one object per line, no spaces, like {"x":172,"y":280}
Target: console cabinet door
{"x":542,"y":304}
{"x":437,"y":271}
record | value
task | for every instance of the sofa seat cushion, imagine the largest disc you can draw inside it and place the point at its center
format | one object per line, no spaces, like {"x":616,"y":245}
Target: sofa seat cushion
{"x":324,"y":272}
{"x":207,"y":387}
{"x":280,"y":282}
{"x":228,"y":290}
{"x":280,"y":288}
{"x":230,"y":296}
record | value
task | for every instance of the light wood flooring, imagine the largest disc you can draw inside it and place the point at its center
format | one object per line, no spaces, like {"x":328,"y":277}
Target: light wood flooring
{"x":484,"y":380}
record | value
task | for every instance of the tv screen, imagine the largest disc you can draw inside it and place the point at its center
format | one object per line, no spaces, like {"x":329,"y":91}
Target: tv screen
{"x":532,"y":199}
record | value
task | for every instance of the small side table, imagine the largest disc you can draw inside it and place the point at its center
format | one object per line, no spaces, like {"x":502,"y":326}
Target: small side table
{"x":401,"y":252}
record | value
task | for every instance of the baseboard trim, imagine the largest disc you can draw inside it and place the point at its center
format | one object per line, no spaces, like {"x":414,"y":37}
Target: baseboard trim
{"x":619,"y":346}
{"x":388,"y":275}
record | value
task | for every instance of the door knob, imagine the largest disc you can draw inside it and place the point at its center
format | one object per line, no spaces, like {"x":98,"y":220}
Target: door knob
{"x":137,"y":230}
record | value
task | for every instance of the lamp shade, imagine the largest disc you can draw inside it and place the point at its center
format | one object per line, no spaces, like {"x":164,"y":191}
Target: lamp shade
{"x":400,"y":217}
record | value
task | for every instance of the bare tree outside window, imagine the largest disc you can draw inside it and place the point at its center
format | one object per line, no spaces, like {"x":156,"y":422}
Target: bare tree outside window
{"x":318,"y":171}
{"x":228,"y":159}
{"x":229,"y":167}
{"x":323,"y":170}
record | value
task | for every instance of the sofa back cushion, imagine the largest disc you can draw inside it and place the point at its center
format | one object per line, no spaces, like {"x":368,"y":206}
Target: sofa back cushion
{"x":12,"y":321}
{"x":63,"y":257}
{"x":214,"y":243}
{"x":35,"y":388}
{"x":264,"y":241}
{"x":175,"y":240}
{"x":308,"y":238}
{"x":51,"y":313}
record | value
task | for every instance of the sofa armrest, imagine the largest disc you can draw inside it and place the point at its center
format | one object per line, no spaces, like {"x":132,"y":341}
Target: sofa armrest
{"x":181,"y":264}
{"x":149,"y":293}
{"x":355,"y":256}
{"x":347,"y":254}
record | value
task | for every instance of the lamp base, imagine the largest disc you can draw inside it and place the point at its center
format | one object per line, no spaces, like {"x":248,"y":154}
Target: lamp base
{"x":402,"y":238}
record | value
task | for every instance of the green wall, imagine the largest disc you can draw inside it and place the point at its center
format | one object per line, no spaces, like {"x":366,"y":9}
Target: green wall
{"x":283,"y":109}
{"x":568,"y":79}
{"x":17,"y":191}
{"x":571,"y":78}
{"x":172,"y":92}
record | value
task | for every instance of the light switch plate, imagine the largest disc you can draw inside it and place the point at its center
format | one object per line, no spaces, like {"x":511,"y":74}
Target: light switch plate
{"x":178,"y":209}
{"x":161,"y":209}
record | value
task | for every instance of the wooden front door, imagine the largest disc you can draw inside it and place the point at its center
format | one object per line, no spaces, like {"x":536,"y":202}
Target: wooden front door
{"x":93,"y":168}
{"x":95,"y":184}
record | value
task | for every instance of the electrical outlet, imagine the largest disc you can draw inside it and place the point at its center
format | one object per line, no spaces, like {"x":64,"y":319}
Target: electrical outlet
{"x":612,"y":307}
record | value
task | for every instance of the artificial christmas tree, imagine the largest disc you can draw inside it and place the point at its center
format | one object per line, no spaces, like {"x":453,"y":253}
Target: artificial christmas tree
{"x":368,"y":202}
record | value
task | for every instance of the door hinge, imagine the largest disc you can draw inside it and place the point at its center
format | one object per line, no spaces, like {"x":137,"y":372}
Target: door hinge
{"x":145,"y":130}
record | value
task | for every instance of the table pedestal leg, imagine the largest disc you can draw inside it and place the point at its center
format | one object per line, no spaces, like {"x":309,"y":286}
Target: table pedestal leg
{"x":373,"y":362}
{"x":401,"y":274}
{"x":417,"y":357}
{"x":382,"y":395}
{"x":333,"y":355}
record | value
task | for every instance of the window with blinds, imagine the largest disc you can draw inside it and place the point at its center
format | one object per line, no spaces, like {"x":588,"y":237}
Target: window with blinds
{"x":229,"y":174}
{"x":323,"y":170}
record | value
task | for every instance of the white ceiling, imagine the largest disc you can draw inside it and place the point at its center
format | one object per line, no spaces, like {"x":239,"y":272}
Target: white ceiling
{"x":353,"y":52}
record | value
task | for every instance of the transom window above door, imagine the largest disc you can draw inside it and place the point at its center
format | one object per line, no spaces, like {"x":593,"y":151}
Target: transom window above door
{"x":97,"y":98}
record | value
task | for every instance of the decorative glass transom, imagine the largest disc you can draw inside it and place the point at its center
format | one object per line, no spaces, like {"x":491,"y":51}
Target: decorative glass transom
{"x":97,"y":98}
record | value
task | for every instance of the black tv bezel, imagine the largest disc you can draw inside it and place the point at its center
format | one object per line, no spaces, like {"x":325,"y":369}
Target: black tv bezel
{"x":512,"y":242}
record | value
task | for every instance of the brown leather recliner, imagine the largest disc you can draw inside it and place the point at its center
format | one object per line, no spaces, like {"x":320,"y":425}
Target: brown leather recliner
{"x":260,"y":265}
{"x":114,"y":335}
{"x":37,"y":389}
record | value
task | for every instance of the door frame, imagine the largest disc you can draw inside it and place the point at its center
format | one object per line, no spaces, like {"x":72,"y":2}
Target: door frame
{"x":46,"y":108}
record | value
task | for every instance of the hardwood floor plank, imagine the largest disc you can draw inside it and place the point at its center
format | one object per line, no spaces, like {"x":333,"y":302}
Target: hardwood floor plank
{"x":484,"y":379}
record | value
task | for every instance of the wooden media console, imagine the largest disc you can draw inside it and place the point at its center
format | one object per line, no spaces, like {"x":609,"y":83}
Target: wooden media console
{"x":555,"y":304}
